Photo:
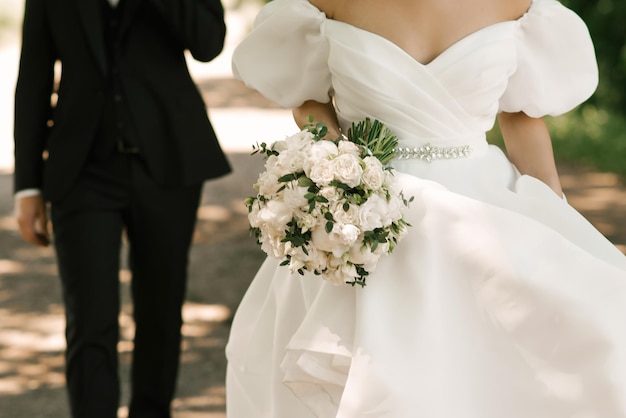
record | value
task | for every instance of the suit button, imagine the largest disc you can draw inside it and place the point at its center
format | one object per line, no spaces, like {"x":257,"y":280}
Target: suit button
{"x":118,"y":98}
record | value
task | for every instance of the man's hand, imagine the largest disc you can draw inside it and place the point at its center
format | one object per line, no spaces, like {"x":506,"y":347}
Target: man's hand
{"x":32,"y":220}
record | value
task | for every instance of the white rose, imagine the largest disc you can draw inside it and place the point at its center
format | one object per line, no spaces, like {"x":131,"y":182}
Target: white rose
{"x":320,"y":172}
{"x":348,"y":169}
{"x":330,"y":193}
{"x":306,"y":221}
{"x":348,"y":147}
{"x":373,"y":174}
{"x":350,"y":216}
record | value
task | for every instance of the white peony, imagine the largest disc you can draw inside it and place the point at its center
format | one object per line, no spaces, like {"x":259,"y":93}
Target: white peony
{"x":300,"y":141}
{"x":331,"y":242}
{"x":373,"y":213}
{"x":275,"y":214}
{"x":253,"y":214}
{"x":291,"y":161}
{"x":293,"y":196}
{"x":267,"y":184}
{"x":348,"y":233}
{"x":273,"y":246}
{"x":361,"y":254}
{"x":323,"y":150}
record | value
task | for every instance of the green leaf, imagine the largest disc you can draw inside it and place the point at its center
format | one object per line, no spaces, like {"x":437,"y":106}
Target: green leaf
{"x":287,"y":178}
{"x":304,"y":181}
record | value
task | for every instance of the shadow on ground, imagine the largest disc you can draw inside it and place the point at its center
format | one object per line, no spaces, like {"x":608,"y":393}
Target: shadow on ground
{"x":223,"y":261}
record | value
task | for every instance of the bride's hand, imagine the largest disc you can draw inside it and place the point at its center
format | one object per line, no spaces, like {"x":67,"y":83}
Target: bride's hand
{"x":320,"y":112}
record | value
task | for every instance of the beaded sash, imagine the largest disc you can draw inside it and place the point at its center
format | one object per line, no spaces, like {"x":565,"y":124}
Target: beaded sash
{"x":430,"y":153}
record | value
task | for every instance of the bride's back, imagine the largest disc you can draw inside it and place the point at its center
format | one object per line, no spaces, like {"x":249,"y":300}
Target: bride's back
{"x":423,"y":28}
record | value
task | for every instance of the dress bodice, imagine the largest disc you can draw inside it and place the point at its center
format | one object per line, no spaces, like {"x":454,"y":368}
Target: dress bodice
{"x":542,"y":63}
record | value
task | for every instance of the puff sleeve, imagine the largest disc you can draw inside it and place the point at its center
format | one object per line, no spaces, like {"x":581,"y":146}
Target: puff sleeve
{"x":556,"y":64}
{"x":285,"y":57}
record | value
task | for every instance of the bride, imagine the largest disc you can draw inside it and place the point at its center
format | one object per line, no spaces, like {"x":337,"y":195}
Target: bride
{"x":502,"y":300}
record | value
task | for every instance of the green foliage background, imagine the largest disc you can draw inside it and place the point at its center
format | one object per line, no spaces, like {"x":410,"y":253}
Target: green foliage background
{"x":605,"y":19}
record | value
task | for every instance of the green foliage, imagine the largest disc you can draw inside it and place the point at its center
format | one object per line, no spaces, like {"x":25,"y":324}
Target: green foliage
{"x":593,"y":136}
{"x":605,"y":19}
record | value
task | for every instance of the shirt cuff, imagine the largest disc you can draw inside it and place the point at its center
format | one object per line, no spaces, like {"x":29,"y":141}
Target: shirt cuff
{"x":27,"y":193}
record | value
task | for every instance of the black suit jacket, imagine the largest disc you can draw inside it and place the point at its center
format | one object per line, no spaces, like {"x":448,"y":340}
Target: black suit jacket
{"x":166,"y":108}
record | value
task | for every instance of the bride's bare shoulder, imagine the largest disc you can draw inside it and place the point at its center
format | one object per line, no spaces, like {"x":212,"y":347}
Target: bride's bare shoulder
{"x":326,"y":6}
{"x":514,"y":9}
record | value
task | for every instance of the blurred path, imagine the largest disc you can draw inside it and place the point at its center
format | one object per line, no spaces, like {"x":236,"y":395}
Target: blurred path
{"x":223,"y":259}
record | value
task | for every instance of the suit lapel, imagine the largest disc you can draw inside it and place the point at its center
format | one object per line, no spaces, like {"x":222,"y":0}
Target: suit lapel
{"x":91,"y":16}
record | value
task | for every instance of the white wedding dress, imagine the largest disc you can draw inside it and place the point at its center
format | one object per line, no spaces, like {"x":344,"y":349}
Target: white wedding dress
{"x":502,"y":301}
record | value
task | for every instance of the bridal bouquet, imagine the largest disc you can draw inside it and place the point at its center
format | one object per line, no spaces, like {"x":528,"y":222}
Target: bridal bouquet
{"x":329,"y":206}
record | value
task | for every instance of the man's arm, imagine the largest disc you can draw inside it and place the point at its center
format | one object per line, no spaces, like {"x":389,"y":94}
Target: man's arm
{"x":33,"y":110}
{"x":198,"y":25}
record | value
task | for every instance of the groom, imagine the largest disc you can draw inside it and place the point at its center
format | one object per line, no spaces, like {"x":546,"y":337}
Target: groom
{"x":124,"y":144}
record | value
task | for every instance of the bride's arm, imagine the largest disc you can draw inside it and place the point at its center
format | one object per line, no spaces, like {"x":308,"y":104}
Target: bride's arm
{"x":529,"y":147}
{"x":320,"y":112}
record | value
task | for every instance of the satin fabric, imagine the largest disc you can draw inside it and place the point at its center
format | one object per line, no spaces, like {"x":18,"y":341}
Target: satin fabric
{"x":502,"y":301}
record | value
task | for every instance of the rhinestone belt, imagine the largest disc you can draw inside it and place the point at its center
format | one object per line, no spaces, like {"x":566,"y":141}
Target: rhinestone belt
{"x":429,"y":153}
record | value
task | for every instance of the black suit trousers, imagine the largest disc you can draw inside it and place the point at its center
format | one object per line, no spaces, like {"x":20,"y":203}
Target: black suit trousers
{"x":111,"y":197}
